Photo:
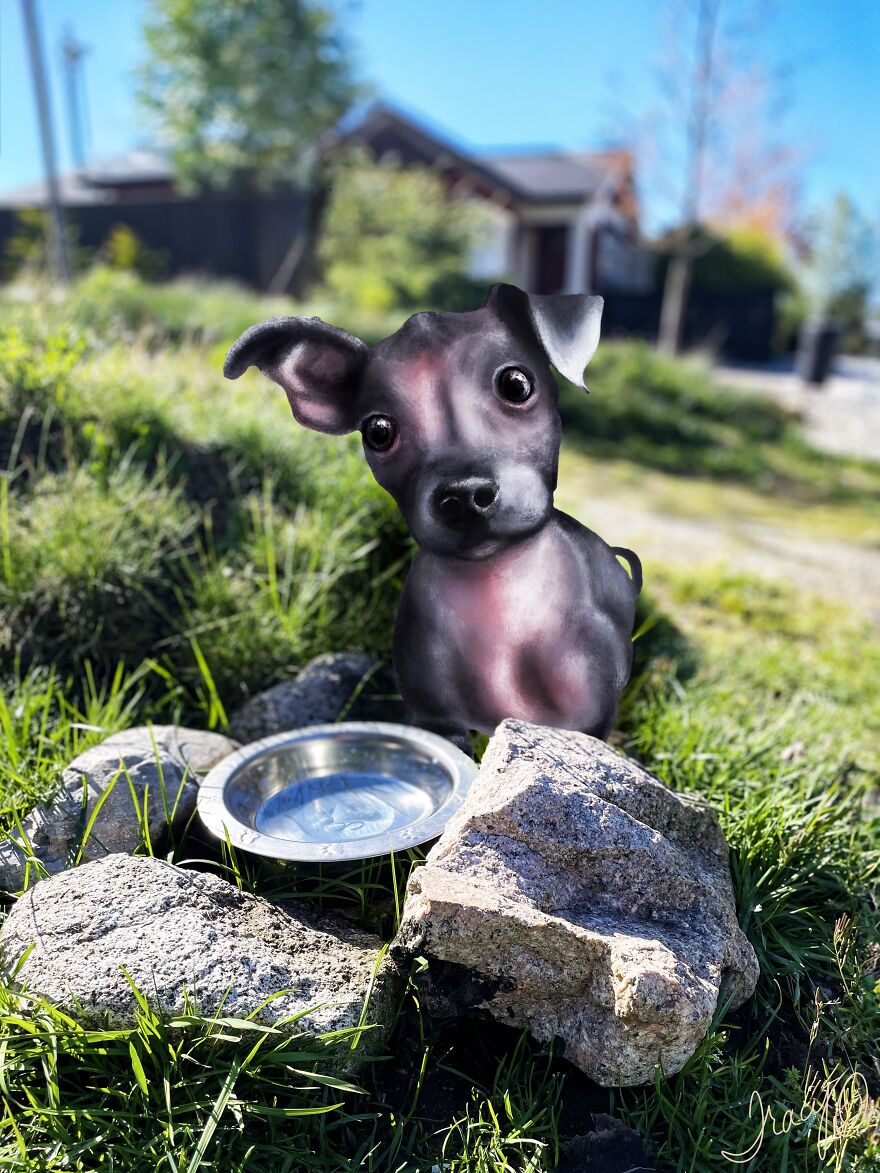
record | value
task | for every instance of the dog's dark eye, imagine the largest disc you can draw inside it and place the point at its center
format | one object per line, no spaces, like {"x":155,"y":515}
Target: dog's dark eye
{"x":514,"y":385}
{"x":379,"y":432}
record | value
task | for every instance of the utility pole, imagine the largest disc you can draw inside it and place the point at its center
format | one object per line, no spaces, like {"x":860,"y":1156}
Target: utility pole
{"x":72,"y":53}
{"x":57,"y":244}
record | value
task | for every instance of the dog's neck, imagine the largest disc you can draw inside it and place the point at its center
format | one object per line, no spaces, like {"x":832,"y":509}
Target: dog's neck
{"x":500,"y":561}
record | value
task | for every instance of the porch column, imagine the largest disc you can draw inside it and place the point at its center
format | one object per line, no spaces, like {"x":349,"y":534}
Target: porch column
{"x":577,"y":267}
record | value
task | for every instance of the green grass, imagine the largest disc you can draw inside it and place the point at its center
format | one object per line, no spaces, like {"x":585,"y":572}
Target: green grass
{"x":170,"y":543}
{"x":670,"y":415}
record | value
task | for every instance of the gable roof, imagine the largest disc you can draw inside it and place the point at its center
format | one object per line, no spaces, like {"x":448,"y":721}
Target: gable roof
{"x":522,"y":177}
{"x":556,"y":175}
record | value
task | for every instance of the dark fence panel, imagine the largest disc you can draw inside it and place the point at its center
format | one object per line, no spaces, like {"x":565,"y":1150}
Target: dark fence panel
{"x":241,"y":237}
{"x":631,"y":315}
{"x":737,"y":326}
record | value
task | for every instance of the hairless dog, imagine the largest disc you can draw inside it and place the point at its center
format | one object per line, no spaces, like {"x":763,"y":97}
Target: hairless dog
{"x":511,"y":608}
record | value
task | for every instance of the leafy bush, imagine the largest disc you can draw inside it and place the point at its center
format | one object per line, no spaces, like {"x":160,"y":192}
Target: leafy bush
{"x":672,"y":415}
{"x":738,"y":261}
{"x":123,"y":250}
{"x":110,"y":299}
{"x":669,"y":414}
{"x":394,"y":237}
{"x":27,"y":250}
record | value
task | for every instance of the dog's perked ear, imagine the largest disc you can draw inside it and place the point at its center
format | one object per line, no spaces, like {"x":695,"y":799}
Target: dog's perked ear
{"x":566,"y":324}
{"x":319,"y":367}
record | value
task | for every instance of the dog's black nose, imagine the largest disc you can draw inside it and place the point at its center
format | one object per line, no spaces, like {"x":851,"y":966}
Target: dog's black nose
{"x":458,"y":502}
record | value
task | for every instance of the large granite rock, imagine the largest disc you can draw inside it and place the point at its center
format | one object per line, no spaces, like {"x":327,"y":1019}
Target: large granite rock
{"x":337,"y":685}
{"x":577,"y":896}
{"x":187,"y":938}
{"x":153,"y":768}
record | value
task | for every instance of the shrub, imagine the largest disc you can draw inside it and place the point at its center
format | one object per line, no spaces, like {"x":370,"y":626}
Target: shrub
{"x":393,"y":237}
{"x":125,"y":251}
{"x":737,"y":261}
{"x":669,"y":414}
{"x":108,"y":300}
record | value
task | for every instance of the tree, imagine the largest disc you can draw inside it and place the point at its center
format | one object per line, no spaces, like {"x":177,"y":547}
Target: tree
{"x":840,"y":267}
{"x":395,"y":237}
{"x":241,"y":90}
{"x":719,"y":162}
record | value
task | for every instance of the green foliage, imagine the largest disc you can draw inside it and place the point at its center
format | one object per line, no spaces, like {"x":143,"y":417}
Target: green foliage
{"x":843,"y":258}
{"x":170,"y":542}
{"x":165,"y":1094}
{"x":123,"y":250}
{"x":671,"y":415}
{"x":741,"y":260}
{"x":242,"y":89}
{"x":394,"y":237}
{"x":116,"y":299}
{"x":27,"y":250}
{"x":90,"y":567}
{"x":150,"y":503}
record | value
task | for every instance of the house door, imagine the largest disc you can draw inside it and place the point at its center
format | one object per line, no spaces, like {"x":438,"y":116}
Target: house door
{"x":551,"y":245}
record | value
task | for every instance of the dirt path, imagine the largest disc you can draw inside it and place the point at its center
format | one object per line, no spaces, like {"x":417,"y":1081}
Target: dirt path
{"x":845,"y":570}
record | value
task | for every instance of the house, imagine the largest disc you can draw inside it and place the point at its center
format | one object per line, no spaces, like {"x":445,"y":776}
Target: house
{"x":556,"y":220}
{"x":245,"y":237}
{"x":559,"y":221}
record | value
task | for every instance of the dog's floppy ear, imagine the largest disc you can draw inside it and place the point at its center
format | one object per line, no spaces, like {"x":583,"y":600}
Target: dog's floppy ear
{"x":566,"y":324}
{"x":319,"y":366}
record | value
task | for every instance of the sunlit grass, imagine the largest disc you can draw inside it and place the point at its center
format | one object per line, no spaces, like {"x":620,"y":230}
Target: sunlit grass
{"x":170,"y":543}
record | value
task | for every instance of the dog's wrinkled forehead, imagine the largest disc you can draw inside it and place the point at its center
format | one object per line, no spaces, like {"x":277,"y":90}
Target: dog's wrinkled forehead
{"x":436,"y":351}
{"x":427,"y":331}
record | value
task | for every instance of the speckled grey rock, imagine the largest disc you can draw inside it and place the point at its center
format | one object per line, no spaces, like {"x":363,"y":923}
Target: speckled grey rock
{"x":162,"y":763}
{"x":187,"y":935}
{"x":577,"y":896}
{"x":336,"y":685}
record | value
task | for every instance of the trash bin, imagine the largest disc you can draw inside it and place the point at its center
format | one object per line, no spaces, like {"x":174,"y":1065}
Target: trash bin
{"x":816,"y":347}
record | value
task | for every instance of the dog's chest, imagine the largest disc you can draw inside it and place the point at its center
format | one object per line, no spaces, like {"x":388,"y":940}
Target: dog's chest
{"x":499,"y":636}
{"x":504,"y":604}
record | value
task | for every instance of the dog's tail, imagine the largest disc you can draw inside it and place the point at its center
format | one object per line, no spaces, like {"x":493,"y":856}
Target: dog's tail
{"x":635,"y":566}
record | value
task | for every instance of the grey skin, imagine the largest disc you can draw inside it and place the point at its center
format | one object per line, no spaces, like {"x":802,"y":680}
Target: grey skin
{"x":511,"y":608}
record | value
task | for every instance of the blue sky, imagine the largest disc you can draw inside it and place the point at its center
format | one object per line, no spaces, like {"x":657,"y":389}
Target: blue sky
{"x":497,"y":73}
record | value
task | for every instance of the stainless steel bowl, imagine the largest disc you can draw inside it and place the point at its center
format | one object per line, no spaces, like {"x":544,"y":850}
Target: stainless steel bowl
{"x":336,"y":792}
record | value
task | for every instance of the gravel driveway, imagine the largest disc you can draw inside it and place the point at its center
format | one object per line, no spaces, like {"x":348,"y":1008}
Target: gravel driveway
{"x":841,"y":416}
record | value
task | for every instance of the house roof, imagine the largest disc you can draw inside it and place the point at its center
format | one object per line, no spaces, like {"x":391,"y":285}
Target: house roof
{"x":552,"y":175}
{"x":97,"y":183}
{"x":542,"y":176}
{"x":530,"y":177}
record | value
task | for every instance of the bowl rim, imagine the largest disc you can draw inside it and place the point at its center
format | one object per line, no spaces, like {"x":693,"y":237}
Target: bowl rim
{"x":223,"y":824}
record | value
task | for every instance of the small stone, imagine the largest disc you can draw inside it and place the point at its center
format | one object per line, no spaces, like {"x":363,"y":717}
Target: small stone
{"x":188,"y":940}
{"x":576,"y":895}
{"x":337,"y":685}
{"x":160,"y":762}
{"x":610,"y":1147}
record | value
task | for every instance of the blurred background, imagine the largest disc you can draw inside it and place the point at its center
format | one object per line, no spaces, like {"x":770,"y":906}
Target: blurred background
{"x":706,"y":166}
